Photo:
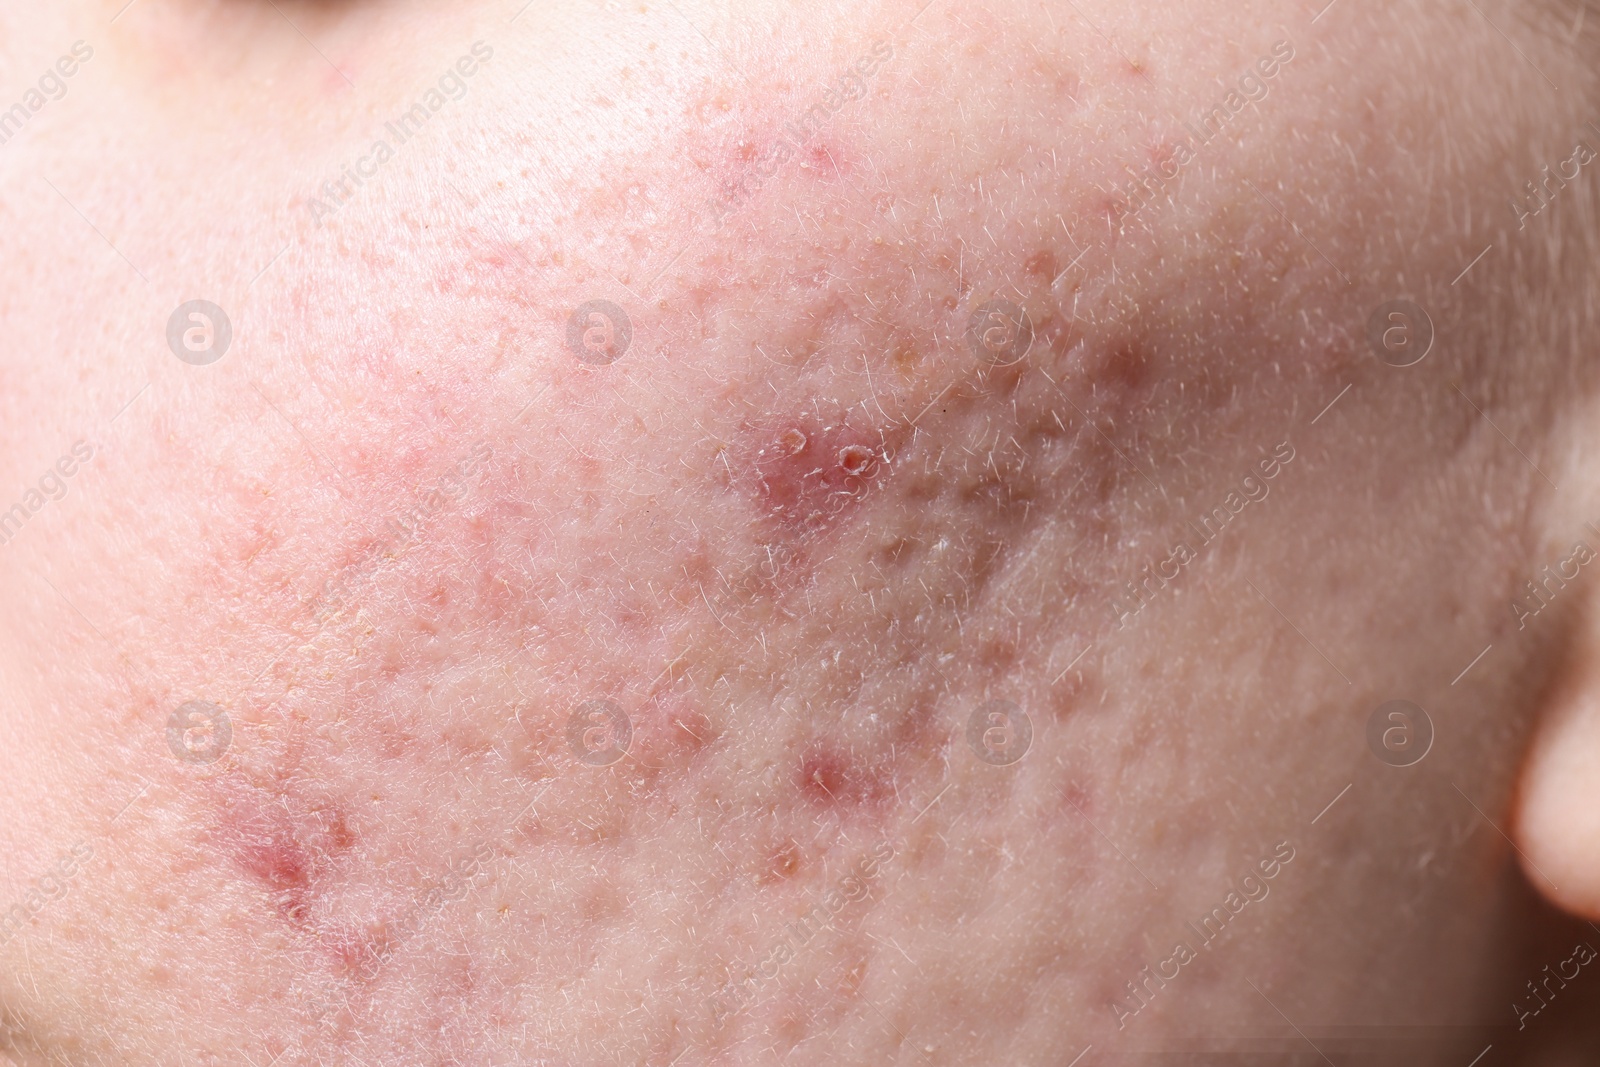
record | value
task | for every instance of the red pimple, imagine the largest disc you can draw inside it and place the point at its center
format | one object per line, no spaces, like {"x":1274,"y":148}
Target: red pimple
{"x":1042,"y":264}
{"x":745,"y":165}
{"x":1069,"y":85}
{"x":281,"y":842}
{"x":915,"y":728}
{"x":824,"y":159}
{"x":856,"y":460}
{"x":808,"y":477}
{"x":830,"y":778}
{"x":1058,"y":334}
{"x":1112,"y":207}
{"x":669,"y":734}
{"x":1074,"y":798}
{"x":262,"y":843}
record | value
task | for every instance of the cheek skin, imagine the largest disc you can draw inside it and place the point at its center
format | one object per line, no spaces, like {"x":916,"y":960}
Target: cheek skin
{"x":770,"y":624}
{"x":796,"y":584}
{"x":798,"y":533}
{"x":854,"y":526}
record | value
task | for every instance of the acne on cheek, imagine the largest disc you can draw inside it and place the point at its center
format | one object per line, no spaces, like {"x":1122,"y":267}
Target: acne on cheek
{"x":804,"y":482}
{"x":286,"y":844}
{"x":988,"y":461}
{"x":295,"y":829}
{"x":836,"y":779}
{"x":805,"y":475}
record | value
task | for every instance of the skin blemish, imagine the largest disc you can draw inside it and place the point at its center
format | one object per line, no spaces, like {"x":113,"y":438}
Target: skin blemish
{"x":856,"y":460}
{"x":1073,"y":690}
{"x":744,"y":166}
{"x":906,"y":359}
{"x":823,"y":160}
{"x":997,"y":654}
{"x":1076,"y":800}
{"x":1111,"y":208}
{"x":807,"y":478}
{"x":916,"y":727}
{"x":1121,"y":373}
{"x":351,"y":952}
{"x":780,"y":862}
{"x":833,"y":779}
{"x":263,"y":845}
{"x":1042,"y":264}
{"x":669,"y":735}
{"x":284,"y":844}
{"x":335,"y":82}
{"x":896,"y":551}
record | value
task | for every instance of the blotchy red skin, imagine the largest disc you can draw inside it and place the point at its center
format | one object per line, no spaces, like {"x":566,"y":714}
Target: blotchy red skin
{"x":285,"y":826}
{"x":808,"y":475}
{"x":288,"y":852}
{"x":795,"y":533}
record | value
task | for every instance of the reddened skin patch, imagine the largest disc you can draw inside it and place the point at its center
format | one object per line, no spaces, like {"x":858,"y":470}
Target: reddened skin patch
{"x":285,"y":843}
{"x":836,"y":779}
{"x":807,"y":475}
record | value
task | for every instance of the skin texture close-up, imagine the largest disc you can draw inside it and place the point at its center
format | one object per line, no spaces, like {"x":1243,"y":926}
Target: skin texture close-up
{"x":931,"y":533}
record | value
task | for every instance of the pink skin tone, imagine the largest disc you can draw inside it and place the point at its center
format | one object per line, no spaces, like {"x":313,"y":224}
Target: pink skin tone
{"x":820,"y":530}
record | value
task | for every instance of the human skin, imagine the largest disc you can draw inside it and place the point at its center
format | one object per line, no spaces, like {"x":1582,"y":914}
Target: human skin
{"x":798,"y":532}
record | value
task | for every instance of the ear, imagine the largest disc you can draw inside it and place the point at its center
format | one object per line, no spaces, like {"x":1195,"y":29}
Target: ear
{"x":1556,"y":824}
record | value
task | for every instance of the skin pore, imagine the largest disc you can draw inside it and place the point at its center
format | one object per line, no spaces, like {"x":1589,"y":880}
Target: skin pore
{"x":824,"y":533}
